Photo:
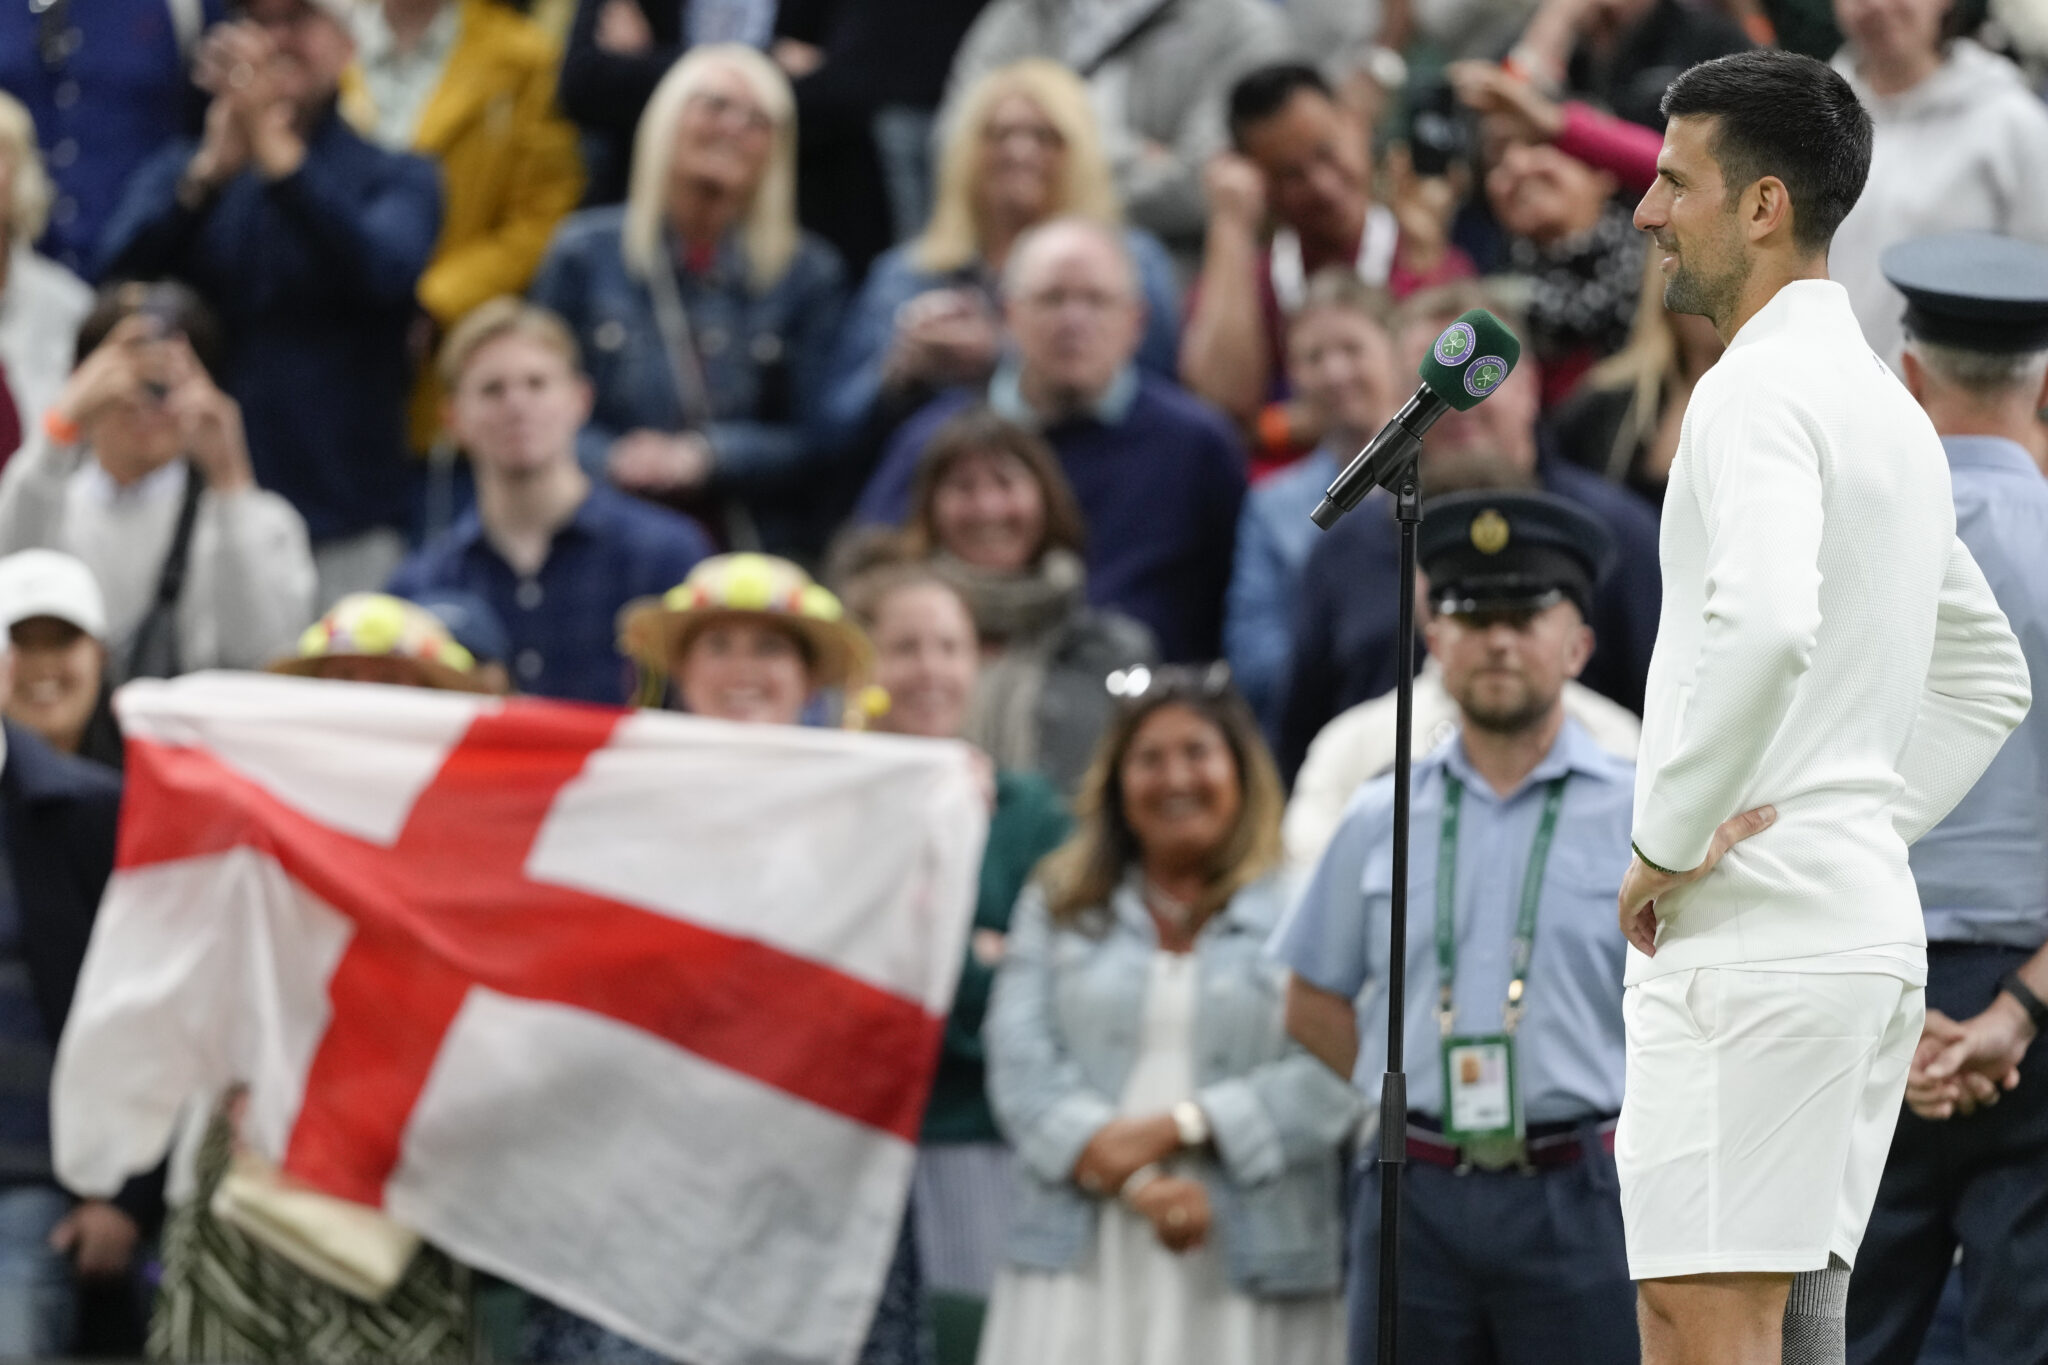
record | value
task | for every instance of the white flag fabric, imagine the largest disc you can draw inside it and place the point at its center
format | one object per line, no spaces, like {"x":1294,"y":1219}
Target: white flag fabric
{"x":635,"y":1010}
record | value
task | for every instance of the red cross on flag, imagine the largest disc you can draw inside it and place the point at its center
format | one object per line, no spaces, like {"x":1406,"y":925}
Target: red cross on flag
{"x":635,"y":1010}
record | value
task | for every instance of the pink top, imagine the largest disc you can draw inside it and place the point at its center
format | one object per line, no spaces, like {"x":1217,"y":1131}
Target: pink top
{"x":1627,"y":151}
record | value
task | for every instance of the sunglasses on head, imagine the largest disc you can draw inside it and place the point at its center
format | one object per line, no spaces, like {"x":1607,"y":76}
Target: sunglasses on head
{"x":1130,"y":685}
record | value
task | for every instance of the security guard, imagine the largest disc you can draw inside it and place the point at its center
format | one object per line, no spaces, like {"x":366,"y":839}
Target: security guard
{"x":1961,"y":1170}
{"x":1512,"y":1243}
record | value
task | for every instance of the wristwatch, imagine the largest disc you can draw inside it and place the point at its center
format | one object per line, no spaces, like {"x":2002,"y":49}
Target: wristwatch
{"x":2018,"y":989}
{"x":1194,"y":1124}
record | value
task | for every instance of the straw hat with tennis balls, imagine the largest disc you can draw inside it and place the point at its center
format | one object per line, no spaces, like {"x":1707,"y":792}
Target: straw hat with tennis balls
{"x":655,"y":631}
{"x":372,"y":625}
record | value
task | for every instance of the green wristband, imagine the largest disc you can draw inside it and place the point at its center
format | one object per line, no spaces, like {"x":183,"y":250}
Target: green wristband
{"x":1652,"y":866}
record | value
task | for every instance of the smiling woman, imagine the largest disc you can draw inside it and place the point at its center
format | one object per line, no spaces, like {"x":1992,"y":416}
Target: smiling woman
{"x":56,"y":624}
{"x":1181,"y":1176}
{"x":747,"y":638}
{"x":704,"y":314}
{"x":925,"y":661}
{"x":993,"y":515}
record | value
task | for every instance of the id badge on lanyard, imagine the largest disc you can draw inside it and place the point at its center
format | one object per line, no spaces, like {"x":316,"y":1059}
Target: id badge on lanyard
{"x":1482,"y":1090}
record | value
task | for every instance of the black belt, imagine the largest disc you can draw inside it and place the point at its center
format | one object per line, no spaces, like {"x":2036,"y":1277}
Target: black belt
{"x":1548,"y":1145}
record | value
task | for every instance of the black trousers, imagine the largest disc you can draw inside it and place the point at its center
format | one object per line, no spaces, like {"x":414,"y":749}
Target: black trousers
{"x":1499,"y":1268}
{"x":1979,"y":1182}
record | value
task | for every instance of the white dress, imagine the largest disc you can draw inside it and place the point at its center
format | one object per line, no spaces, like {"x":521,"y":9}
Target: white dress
{"x":1133,"y":1302}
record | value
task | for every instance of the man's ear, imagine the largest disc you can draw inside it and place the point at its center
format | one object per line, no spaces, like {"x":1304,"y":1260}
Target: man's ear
{"x":1767,"y":208}
{"x":1579,"y":651}
{"x":1432,"y":632}
{"x":1914,"y":374}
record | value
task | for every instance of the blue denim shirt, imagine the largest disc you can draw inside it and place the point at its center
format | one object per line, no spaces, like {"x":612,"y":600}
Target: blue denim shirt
{"x":1274,"y":536}
{"x":764,"y":354}
{"x":854,"y":389}
{"x":1062,"y":1036}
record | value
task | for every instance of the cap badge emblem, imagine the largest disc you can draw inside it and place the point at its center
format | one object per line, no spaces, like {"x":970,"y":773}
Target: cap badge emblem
{"x":1489,"y":532}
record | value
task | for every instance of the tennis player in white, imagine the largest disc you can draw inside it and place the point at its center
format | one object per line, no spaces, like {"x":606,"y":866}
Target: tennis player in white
{"x":1830,"y":677}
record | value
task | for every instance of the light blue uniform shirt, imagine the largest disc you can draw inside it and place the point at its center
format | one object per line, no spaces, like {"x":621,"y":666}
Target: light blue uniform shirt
{"x":1983,"y":871}
{"x":1569,"y":1043}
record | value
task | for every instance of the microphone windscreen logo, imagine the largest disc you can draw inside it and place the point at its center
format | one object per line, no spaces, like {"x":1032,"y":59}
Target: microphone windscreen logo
{"x":1483,"y":375}
{"x":1454,"y":347}
{"x":1470,"y":359}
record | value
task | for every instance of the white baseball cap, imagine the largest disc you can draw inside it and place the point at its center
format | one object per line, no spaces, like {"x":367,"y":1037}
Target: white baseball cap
{"x":49,"y":583}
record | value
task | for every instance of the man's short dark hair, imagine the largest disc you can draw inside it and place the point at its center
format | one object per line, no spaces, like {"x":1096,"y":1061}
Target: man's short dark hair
{"x":1785,"y":115}
{"x":177,"y":306}
{"x":1262,"y":93}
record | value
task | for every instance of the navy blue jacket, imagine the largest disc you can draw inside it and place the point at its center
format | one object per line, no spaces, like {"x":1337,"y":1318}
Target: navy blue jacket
{"x":1159,"y":489}
{"x":562,"y":621}
{"x":61,"y":816}
{"x":102,"y":102}
{"x":1345,"y":623}
{"x":313,"y":276}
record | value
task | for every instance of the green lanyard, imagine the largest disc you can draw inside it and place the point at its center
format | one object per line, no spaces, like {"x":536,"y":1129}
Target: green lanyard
{"x":1446,"y":901}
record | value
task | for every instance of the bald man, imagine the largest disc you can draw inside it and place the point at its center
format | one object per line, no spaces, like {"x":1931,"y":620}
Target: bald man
{"x":1158,"y":474}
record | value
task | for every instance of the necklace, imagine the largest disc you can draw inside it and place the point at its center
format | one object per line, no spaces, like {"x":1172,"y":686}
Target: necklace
{"x":1174,"y":917}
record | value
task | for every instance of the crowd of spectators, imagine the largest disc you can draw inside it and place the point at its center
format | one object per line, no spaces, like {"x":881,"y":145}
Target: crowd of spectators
{"x":1033,"y":329}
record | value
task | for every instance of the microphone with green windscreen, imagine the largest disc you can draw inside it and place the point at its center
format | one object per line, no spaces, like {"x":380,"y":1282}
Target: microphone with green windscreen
{"x":1468,"y":361}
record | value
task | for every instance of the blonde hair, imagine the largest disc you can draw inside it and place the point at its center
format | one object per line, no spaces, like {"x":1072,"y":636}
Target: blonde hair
{"x":769,"y":234}
{"x":29,"y":214}
{"x":1084,"y":872}
{"x":1338,"y":289}
{"x":505,"y":315}
{"x":952,"y":238}
{"x":1639,"y":369}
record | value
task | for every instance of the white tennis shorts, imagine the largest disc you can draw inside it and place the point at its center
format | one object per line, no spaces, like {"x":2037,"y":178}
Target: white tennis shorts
{"x":1758,"y":1112}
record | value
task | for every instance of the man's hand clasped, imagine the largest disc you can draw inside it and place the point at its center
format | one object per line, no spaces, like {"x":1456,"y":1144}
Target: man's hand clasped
{"x":1644,"y":884}
{"x":1962,"y":1066}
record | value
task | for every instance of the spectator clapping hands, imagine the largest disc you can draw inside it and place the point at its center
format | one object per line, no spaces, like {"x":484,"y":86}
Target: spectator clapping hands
{"x":251,"y":116}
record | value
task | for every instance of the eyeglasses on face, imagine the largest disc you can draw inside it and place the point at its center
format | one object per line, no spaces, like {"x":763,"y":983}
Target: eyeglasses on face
{"x":719,"y":107}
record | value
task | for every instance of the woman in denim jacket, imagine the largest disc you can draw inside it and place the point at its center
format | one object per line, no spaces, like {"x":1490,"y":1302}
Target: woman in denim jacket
{"x":706,"y":317}
{"x":1180,"y":1178}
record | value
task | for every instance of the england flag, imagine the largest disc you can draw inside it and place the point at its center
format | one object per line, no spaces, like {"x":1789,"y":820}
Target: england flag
{"x":636,"y":1010}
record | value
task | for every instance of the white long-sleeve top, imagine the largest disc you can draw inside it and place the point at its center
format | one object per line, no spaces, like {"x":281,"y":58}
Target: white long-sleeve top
{"x":249,"y":585}
{"x":1827,"y":646}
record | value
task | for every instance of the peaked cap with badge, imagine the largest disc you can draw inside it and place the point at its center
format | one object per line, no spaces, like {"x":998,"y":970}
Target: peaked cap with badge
{"x":1510,"y":551}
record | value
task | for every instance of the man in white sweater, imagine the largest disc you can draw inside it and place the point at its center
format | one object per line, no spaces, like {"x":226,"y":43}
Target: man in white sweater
{"x":1831,"y":675}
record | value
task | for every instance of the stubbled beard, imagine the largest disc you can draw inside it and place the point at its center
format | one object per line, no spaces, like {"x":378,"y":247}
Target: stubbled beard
{"x":1711,"y":297}
{"x":1513,"y":719}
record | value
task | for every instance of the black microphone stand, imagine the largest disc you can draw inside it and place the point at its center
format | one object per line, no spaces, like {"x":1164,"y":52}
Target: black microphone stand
{"x":1398,"y":473}
{"x":1394,"y":1087}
